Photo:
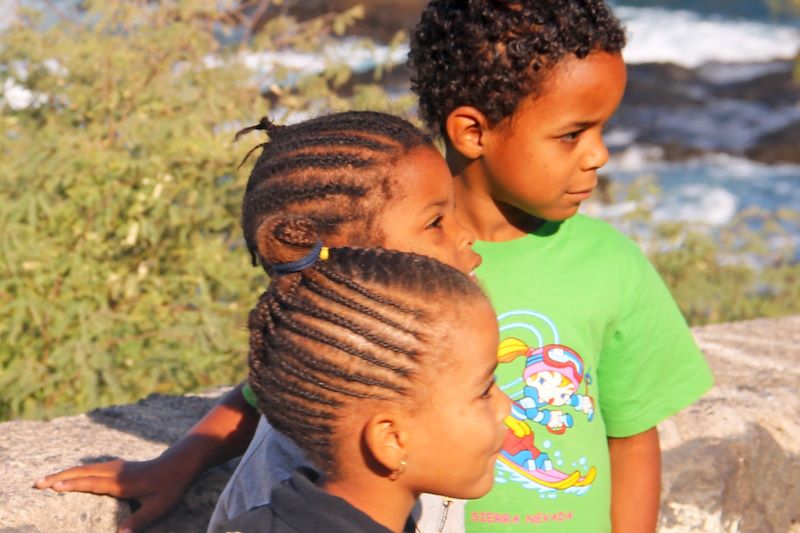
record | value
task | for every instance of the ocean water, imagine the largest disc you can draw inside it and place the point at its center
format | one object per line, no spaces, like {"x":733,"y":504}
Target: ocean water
{"x":722,"y":41}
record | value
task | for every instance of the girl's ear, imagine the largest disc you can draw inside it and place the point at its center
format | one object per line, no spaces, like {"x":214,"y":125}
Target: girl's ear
{"x":465,"y":127}
{"x":386,"y":438}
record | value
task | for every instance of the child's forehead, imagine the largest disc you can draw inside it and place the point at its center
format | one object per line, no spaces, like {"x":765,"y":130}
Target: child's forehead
{"x":579,"y":85}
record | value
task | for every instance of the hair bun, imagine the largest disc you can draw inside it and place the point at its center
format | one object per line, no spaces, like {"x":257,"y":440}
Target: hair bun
{"x":284,"y":239}
{"x":264,"y":124}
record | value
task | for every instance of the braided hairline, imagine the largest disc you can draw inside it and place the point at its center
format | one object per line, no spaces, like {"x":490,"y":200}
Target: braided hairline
{"x":314,"y":364}
{"x":324,"y":152}
{"x":336,"y":297}
{"x":365,"y":292}
{"x":303,"y":363}
{"x":313,"y":311}
{"x":324,"y":338}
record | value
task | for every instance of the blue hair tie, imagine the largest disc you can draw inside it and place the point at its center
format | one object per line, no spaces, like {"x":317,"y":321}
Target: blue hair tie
{"x":302,"y":263}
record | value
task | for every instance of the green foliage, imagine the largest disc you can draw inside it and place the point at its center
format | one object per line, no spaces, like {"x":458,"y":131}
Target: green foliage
{"x":122,"y":271}
{"x":746,"y":269}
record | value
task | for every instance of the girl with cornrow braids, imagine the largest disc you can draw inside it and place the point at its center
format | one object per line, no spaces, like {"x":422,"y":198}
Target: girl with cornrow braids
{"x":363,"y":179}
{"x":357,"y":355}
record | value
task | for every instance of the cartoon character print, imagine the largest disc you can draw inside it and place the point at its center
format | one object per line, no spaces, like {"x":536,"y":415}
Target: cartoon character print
{"x":549,"y":399}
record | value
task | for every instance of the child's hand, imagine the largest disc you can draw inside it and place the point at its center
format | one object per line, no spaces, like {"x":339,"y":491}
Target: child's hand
{"x":223,"y":433}
{"x":156,"y":484}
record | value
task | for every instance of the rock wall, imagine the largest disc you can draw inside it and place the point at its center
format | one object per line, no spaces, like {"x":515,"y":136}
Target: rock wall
{"x":731,"y":461}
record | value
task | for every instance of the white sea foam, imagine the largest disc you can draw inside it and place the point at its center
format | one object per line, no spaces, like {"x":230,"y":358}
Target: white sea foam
{"x":355,"y":53}
{"x":710,"y":189}
{"x":722,"y":73}
{"x":690,"y":39}
{"x":711,"y":205}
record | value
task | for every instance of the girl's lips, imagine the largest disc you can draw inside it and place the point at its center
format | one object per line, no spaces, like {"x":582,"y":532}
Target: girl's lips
{"x":581,"y":195}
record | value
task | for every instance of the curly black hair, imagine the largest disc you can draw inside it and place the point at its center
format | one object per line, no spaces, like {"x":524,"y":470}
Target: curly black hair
{"x":492,"y":54}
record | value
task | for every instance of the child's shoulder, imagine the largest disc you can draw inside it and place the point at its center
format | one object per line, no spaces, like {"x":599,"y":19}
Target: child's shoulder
{"x":597,"y":227}
{"x":597,"y":236}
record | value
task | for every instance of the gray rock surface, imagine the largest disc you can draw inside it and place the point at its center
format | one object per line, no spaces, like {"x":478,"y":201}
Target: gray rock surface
{"x":731,"y":461}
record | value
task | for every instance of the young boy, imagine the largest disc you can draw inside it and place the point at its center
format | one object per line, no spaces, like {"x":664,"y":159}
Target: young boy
{"x":520,"y":91}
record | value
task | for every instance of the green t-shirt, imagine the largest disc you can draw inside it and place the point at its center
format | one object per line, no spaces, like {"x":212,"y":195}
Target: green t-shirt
{"x":592,"y":346}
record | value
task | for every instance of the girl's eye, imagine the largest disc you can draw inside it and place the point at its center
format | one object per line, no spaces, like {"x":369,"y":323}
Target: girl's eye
{"x":571,"y":137}
{"x":436,"y":223}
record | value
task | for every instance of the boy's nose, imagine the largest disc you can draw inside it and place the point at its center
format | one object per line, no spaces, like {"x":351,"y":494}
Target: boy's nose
{"x":596,"y":157}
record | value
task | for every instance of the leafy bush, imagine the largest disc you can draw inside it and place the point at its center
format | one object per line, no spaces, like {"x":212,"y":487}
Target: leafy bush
{"x":746,"y":269}
{"x":122,"y":271}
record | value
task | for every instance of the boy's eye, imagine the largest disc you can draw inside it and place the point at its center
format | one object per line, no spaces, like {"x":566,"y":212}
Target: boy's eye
{"x":571,"y":137}
{"x":436,"y":223}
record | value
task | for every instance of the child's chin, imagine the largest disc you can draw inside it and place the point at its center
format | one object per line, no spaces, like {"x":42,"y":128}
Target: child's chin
{"x":482,"y":487}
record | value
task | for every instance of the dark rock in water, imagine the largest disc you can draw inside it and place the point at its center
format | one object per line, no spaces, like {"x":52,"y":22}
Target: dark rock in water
{"x":382,"y":20}
{"x":688,"y":113}
{"x":663,"y":84}
{"x":773,"y":89}
{"x":782,"y":146}
{"x":675,"y":151}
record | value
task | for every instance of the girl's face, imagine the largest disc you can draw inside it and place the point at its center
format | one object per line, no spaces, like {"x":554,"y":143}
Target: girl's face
{"x":421,"y":220}
{"x":458,"y":430}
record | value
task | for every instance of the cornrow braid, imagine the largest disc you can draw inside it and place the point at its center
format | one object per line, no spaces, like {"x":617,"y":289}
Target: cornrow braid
{"x":361,"y":324}
{"x":336,"y":170}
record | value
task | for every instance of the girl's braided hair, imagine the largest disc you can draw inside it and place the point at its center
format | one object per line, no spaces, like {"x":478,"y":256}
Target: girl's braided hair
{"x":359,"y":324}
{"x":335,"y":169}
{"x":492,"y":54}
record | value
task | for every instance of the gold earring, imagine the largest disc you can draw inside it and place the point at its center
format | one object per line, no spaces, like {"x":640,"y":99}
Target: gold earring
{"x":399,"y":471}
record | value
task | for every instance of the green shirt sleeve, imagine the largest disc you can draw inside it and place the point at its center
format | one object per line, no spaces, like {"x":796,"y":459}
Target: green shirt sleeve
{"x":650,"y":366}
{"x":249,"y":395}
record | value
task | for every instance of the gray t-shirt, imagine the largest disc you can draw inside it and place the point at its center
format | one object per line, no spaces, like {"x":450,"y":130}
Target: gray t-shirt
{"x":272,"y":457}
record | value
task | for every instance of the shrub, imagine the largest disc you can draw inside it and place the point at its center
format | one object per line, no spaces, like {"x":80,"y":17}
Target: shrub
{"x":121,"y":270}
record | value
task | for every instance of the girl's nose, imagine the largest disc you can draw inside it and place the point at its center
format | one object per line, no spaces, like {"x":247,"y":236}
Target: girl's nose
{"x":466,"y":236}
{"x":504,"y":405}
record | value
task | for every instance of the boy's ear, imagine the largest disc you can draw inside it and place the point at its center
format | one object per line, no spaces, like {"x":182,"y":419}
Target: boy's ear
{"x":386,"y":438}
{"x":465,"y":127}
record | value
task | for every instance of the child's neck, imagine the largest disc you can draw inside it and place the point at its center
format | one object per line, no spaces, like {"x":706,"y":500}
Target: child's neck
{"x":386,"y":502}
{"x":488,"y":218}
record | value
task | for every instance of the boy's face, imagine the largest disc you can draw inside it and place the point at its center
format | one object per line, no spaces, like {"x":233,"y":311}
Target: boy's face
{"x":422,"y":219}
{"x":543,"y":160}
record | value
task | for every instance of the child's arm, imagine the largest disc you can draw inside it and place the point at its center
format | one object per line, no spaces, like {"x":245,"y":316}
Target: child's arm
{"x":159,"y":483}
{"x":635,"y":482}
